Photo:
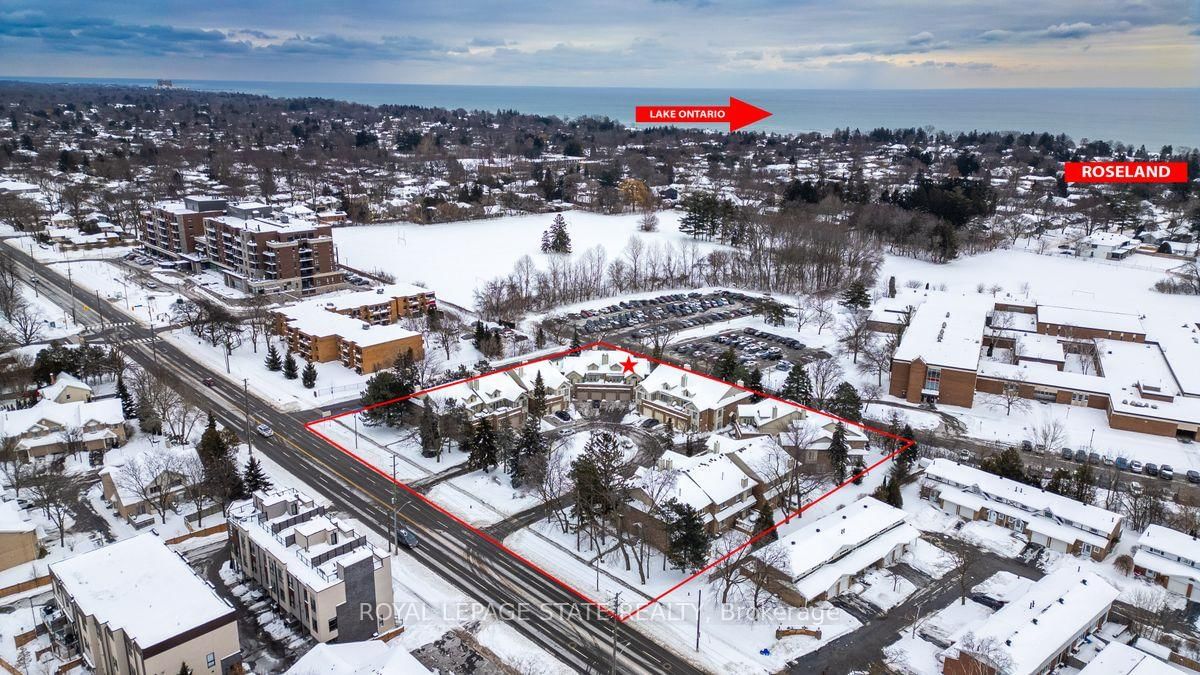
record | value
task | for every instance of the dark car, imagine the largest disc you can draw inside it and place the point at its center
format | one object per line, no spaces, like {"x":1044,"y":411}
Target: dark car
{"x":1151,"y":469}
{"x":1081,"y":455}
{"x":1193,"y":476}
{"x":209,"y":382}
{"x":1027,"y":446}
{"x":405,"y":538}
{"x":1094,"y":458}
{"x":1067,"y":453}
{"x":1122,"y":463}
{"x":650,"y":424}
{"x":562,"y":415}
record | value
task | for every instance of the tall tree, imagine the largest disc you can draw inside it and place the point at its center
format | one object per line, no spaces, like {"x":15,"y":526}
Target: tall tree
{"x":797,"y":386}
{"x":485,"y":452}
{"x":254,"y":478}
{"x":290,"y":371}
{"x":855,"y":296}
{"x":688,"y":540}
{"x":309,"y":377}
{"x":129,"y":408}
{"x":846,"y":403}
{"x":839,"y":452}
{"x":764,"y":520}
{"x":556,"y":239}
{"x":273,"y":361}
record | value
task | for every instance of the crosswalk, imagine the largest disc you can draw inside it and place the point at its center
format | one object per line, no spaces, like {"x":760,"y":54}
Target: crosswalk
{"x":105,"y":326}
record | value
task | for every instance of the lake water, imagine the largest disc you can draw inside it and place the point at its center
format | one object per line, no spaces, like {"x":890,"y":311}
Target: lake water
{"x":1153,"y":117}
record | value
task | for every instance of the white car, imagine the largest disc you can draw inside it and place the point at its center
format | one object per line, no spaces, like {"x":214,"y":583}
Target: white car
{"x":264,"y":431}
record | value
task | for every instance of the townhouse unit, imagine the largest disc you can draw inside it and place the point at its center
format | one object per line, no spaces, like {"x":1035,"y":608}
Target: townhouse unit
{"x":318,"y":569}
{"x":171,"y":228}
{"x":689,"y":401}
{"x":805,"y":434}
{"x":1044,"y":518}
{"x":598,"y":375}
{"x":1170,"y":559}
{"x":136,"y":608}
{"x":1121,"y":659}
{"x":384,"y":305}
{"x":133,"y":486}
{"x":824,"y":558}
{"x":503,"y":398}
{"x":66,"y":388}
{"x":50,"y":427}
{"x":1036,"y":632}
{"x":317,"y":334}
{"x":358,"y":658}
{"x":263,"y":254}
{"x":18,"y":536}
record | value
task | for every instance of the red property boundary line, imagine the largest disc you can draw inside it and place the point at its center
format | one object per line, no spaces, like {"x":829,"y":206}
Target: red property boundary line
{"x":905,"y":444}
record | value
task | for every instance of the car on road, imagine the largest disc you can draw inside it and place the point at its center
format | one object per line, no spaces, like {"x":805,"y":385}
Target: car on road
{"x":650,"y":424}
{"x":1135,"y":466}
{"x":151,"y":285}
{"x":209,"y":382}
{"x":33,"y":279}
{"x":1193,"y":476}
{"x":406,"y":539}
{"x":1165,"y":472}
{"x":1067,"y":453}
{"x":264,"y":431}
{"x":1151,"y":469}
{"x":1026,"y":446}
{"x":1122,"y":464}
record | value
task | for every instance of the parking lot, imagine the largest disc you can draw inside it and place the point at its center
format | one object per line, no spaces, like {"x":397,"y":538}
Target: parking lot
{"x":755,"y":348}
{"x":669,"y":313}
{"x":1121,"y":463}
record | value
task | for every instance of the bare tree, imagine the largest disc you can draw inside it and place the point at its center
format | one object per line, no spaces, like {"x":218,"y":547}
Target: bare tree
{"x":195,"y":486}
{"x":72,"y":439}
{"x":55,"y":492}
{"x":1010,"y":397}
{"x":781,"y":465}
{"x":877,"y":357}
{"x":257,"y":319}
{"x":152,"y":477}
{"x":446,"y":334}
{"x":1049,"y":434}
{"x":826,"y":375}
{"x":965,"y":556}
{"x":17,"y":473}
{"x":988,"y":655}
{"x":27,"y":323}
{"x":822,"y":313}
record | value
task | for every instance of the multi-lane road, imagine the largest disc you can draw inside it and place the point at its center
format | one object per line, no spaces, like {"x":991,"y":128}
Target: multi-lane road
{"x":538,"y":608}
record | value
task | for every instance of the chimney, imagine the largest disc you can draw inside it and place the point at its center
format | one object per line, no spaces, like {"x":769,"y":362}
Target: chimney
{"x":604,"y":358}
{"x":683,"y":380}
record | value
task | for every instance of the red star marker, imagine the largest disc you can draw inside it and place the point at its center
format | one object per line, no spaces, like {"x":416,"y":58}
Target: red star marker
{"x":627,"y":365}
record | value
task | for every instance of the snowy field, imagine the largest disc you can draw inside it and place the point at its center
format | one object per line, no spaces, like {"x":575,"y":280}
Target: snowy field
{"x":480,"y":250}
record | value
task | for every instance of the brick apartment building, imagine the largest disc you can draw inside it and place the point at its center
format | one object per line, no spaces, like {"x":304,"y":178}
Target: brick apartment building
{"x":261,"y":254}
{"x":319,"y":334}
{"x":384,"y":305}
{"x":171,"y":228}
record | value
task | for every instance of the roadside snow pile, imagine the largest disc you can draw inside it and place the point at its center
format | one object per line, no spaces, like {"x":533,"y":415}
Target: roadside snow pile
{"x":928,"y":559}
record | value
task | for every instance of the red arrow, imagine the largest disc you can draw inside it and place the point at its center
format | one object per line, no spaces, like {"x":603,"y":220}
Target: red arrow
{"x":738,"y":114}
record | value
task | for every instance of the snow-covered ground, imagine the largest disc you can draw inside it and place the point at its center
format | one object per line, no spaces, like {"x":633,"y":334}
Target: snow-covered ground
{"x":484,"y":249}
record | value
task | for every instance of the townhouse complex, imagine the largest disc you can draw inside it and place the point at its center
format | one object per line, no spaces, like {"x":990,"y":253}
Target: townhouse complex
{"x":1171,"y":559}
{"x":315,"y":567}
{"x":1145,"y":379}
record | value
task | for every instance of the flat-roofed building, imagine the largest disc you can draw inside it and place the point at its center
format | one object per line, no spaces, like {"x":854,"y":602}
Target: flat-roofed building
{"x":319,"y":569}
{"x":384,"y":305}
{"x":171,"y":228}
{"x":136,"y":607}
{"x":938,"y":356}
{"x":259,"y":254}
{"x":319,"y":335}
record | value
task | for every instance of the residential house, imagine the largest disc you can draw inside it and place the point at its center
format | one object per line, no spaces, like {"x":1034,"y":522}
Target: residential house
{"x":318,"y":569}
{"x":134,"y":486}
{"x":597,"y":375}
{"x":66,"y":388}
{"x":1171,"y":559}
{"x":1106,"y":246}
{"x":1044,"y":518}
{"x":49,"y":427}
{"x":713,"y":484}
{"x":824,"y":558}
{"x":18,"y":537}
{"x":688,"y":400}
{"x":136,"y":607}
{"x":1035,"y":633}
{"x":370,"y":657}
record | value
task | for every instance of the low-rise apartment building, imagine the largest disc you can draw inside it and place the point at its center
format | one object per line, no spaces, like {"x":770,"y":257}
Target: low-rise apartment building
{"x":1047,"y":519}
{"x":824,"y":558}
{"x":317,"y":568}
{"x":316,"y":334}
{"x":260,"y":254}
{"x":1036,"y":632}
{"x":136,"y":608}
{"x":1171,"y":559}
{"x":384,"y":305}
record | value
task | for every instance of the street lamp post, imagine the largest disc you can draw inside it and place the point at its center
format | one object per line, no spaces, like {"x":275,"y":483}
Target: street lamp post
{"x":246,"y":408}
{"x":612,"y":665}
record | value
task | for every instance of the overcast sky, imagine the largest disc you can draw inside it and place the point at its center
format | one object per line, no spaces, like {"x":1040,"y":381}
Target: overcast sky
{"x":654,"y":43}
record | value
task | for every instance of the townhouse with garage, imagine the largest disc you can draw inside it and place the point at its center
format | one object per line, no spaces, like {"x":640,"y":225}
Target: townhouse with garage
{"x":689,"y":401}
{"x":824,"y":558}
{"x":18,"y":536}
{"x":318,"y":569}
{"x":500,"y":398}
{"x":315,"y":333}
{"x":1035,"y":633}
{"x":600,"y":375}
{"x":1170,"y":559}
{"x":50,"y":428}
{"x":140,"y":485}
{"x":136,"y":607}
{"x":1121,"y":659}
{"x":805,"y":434}
{"x":1043,"y":518}
{"x":1144,"y":379}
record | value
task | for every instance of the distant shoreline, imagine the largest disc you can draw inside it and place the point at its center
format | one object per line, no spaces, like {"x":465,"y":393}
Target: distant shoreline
{"x":1150,"y":117}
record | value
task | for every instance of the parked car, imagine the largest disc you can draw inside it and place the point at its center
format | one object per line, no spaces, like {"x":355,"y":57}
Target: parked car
{"x":1151,"y":469}
{"x":1135,"y":488}
{"x":1108,"y":460}
{"x":1027,"y":446}
{"x":1122,"y":464}
{"x":964,"y":457}
{"x":1193,"y":476}
{"x":1067,"y":453}
{"x":405,"y":538}
{"x":264,"y":431}
{"x":1094,"y":457}
{"x":1081,"y":456}
{"x":1165,"y":472}
{"x":1135,"y":466}
{"x":562,"y":415}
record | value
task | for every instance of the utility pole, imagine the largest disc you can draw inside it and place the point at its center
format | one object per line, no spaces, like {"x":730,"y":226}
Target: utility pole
{"x":246,"y":407}
{"x":392,"y":534}
{"x":612,"y":665}
{"x":355,"y":418}
{"x":71,"y":291}
{"x":699,"y":606}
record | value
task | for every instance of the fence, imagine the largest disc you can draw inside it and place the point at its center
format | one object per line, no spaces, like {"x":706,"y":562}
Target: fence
{"x":210,"y":530}
{"x":21,"y":587}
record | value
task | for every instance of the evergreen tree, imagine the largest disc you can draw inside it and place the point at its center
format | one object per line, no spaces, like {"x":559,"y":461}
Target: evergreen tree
{"x":846,"y":403}
{"x":431,"y":432}
{"x":184,"y":669}
{"x":1008,"y":464}
{"x":531,"y":453}
{"x":764,"y":520}
{"x":727,"y":367}
{"x":755,"y":383}
{"x":556,"y":239}
{"x":839,"y":452}
{"x":289,"y":366}
{"x":129,"y":408}
{"x":855,"y":296}
{"x":309,"y":377}
{"x":575,"y":343}
{"x":537,"y":399}
{"x":221,"y":475}
{"x":539,"y":338}
{"x":254,"y":478}
{"x":484,"y":449}
{"x":688,"y":540}
{"x":274,"y":362}
{"x":381,"y":387}
{"x":798,"y":387}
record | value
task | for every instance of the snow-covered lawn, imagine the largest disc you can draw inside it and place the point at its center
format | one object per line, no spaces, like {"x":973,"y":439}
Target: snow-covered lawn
{"x":885,"y":589}
{"x":481,"y":250}
{"x":117,"y":286}
{"x":928,"y":559}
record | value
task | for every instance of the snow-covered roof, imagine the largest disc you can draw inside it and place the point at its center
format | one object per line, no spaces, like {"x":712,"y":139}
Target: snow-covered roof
{"x":12,"y":519}
{"x":606,"y":362}
{"x":1109,"y":239}
{"x":1025,"y":497}
{"x":375,"y":296}
{"x":313,"y":319}
{"x":1039,"y":347}
{"x":1028,"y":632}
{"x":1094,"y":319}
{"x":700,"y":390}
{"x":946,"y":331}
{"x":370,"y":657}
{"x":1121,"y":659}
{"x":842,"y":543}
{"x":61,"y":382}
{"x":526,"y":375}
{"x":1169,"y":552}
{"x":140,"y":586}
{"x":703,"y":481}
{"x":267,"y":225}
{"x":48,"y":415}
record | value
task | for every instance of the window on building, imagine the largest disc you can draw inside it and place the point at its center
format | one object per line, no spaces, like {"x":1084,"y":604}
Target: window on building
{"x":933,"y":379}
{"x":212,"y":659}
{"x":333,"y":624}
